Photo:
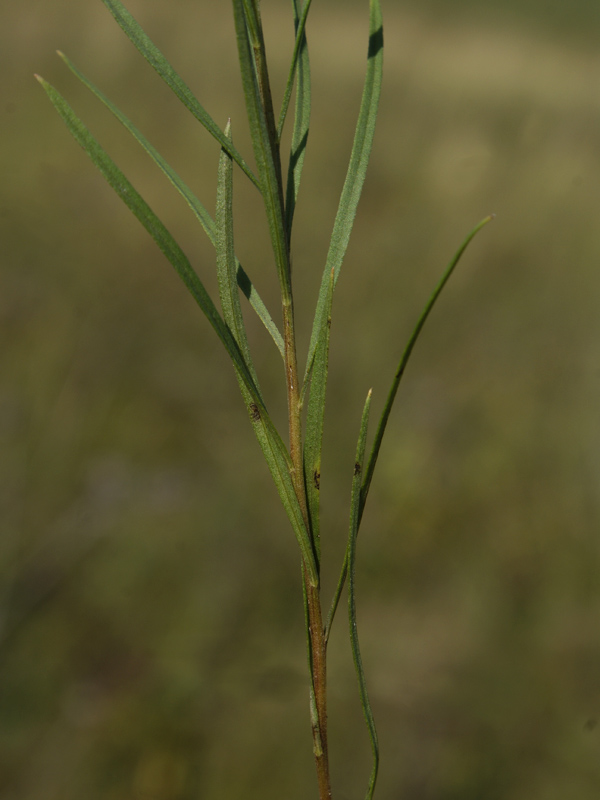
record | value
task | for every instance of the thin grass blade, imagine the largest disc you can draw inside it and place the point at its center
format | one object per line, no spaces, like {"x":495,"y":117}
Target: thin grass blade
{"x":406,"y":356}
{"x":157,"y":60}
{"x":355,"y":177}
{"x":276,"y":454}
{"x":299,"y":46}
{"x":315,"y":415}
{"x":300,"y":67}
{"x":196,"y":206}
{"x":355,"y":503}
{"x":370,"y":468}
{"x":253,"y":22}
{"x":280,"y":466}
{"x":253,"y":297}
{"x":264,"y":150}
{"x":226,"y":261}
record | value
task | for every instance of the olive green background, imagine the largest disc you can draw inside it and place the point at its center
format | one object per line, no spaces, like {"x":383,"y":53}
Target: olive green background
{"x":151,"y":645}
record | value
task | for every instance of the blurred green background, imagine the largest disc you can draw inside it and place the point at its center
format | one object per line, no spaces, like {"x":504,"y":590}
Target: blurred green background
{"x":151,"y":645}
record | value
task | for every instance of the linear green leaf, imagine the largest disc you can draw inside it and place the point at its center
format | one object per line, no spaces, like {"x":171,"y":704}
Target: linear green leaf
{"x":157,"y":60}
{"x":355,"y":504}
{"x":299,"y":46}
{"x":196,"y":206}
{"x":315,"y":415}
{"x":300,"y":67}
{"x":147,"y":217}
{"x":264,"y":150}
{"x":406,"y":356}
{"x":355,"y":177}
{"x":226,"y":261}
{"x":275,"y":451}
{"x":253,"y":22}
{"x":279,"y":463}
{"x":370,"y":469}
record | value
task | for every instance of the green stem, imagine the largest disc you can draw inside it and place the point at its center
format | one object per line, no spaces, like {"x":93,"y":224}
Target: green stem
{"x":317,"y":643}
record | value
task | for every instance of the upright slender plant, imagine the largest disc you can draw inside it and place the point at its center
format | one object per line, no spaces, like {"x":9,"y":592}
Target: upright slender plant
{"x":296,"y":469}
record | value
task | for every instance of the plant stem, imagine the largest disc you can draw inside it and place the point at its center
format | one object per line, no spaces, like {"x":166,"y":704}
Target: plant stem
{"x":318,"y":661}
{"x":317,"y":643}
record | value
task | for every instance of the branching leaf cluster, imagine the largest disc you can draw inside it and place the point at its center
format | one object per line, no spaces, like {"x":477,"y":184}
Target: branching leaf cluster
{"x":296,"y":470}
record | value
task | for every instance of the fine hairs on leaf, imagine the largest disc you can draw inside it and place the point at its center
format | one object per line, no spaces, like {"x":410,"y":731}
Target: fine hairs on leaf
{"x":296,"y":466}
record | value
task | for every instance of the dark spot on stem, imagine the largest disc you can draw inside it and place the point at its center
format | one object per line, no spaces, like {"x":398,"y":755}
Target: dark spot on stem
{"x":317,"y":479}
{"x":375,"y":42}
{"x":254,"y":412}
{"x":357,"y":468}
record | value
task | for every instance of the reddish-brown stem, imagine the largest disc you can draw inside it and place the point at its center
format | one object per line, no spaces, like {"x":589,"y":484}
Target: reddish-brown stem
{"x":317,"y":642}
{"x":318,"y":660}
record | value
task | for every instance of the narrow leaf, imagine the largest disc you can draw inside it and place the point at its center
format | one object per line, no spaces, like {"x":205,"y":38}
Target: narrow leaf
{"x":157,"y":60}
{"x":277,"y":457}
{"x":280,"y":466}
{"x":368,"y":472}
{"x":406,"y":355}
{"x":355,"y":177}
{"x":253,"y":23}
{"x":232,"y":314}
{"x":300,"y":67}
{"x":355,"y":504}
{"x":196,"y":206}
{"x":315,"y":416}
{"x":265,"y":150}
{"x":299,"y":45}
{"x":226,"y":262}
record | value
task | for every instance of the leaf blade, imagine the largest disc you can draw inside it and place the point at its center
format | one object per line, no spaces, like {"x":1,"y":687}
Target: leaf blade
{"x":266,"y":158}
{"x":299,"y":45}
{"x":226,"y":261}
{"x":301,"y":67}
{"x":161,"y":65}
{"x":277,"y":457}
{"x":355,"y":504}
{"x":407,"y":353}
{"x":357,"y":168}
{"x":368,"y":474}
{"x":195,"y":205}
{"x":315,"y":417}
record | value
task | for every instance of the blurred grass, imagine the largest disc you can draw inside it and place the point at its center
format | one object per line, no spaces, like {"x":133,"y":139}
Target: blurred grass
{"x":152,"y":632}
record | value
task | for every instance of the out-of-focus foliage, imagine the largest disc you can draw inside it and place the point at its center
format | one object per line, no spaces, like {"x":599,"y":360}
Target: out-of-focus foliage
{"x":141,"y":656}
